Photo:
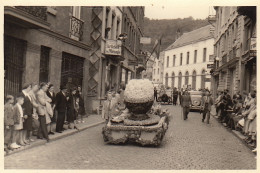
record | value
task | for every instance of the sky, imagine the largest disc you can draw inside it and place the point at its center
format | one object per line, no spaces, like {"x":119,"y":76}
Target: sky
{"x":173,"y":11}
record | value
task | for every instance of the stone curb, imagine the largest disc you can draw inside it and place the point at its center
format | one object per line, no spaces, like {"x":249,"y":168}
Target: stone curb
{"x":53,"y":138}
{"x":235,"y":133}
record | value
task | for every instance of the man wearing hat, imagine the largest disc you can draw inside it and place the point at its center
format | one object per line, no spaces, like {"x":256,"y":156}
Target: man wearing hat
{"x":61,"y":106}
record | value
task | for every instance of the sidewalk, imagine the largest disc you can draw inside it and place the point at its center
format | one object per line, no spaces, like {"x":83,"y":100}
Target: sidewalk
{"x":234,"y":132}
{"x":91,"y":121}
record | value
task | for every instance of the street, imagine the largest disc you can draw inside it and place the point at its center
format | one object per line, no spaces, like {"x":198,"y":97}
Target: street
{"x":188,"y":144}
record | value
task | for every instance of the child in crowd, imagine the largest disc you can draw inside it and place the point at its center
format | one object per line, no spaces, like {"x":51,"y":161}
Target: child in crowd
{"x":18,"y":116}
{"x":8,"y":122}
{"x":107,"y":107}
{"x":77,"y":107}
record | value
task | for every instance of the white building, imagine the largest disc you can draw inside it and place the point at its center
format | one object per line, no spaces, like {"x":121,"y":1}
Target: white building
{"x":158,"y":69}
{"x":186,"y":60}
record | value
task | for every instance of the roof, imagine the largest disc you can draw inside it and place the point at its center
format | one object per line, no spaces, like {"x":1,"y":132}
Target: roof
{"x":192,"y":37}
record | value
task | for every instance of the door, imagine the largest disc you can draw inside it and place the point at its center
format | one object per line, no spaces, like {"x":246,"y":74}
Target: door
{"x":71,"y":70}
{"x":14,"y":53}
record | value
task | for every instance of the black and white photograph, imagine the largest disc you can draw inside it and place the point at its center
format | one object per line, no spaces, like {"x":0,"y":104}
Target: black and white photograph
{"x":167,"y":85}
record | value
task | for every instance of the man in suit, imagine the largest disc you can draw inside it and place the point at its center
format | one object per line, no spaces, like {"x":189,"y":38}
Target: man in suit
{"x":185,"y":104}
{"x":206,"y":104}
{"x":42,"y":98}
{"x":61,"y":107}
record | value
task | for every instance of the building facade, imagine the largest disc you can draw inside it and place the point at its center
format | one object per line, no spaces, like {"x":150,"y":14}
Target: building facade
{"x":72,"y":46}
{"x":46,"y":44}
{"x":188,"y":60}
{"x":234,"y":50}
{"x":158,"y":69}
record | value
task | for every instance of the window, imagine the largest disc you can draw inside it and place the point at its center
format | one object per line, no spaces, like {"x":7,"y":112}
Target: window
{"x":195,"y":56}
{"x":166,"y":80}
{"x":173,"y":79}
{"x":181,"y":59}
{"x":158,"y":71}
{"x":203,"y":76}
{"x":154,"y":71}
{"x":204,"y":54}
{"x":180,"y":80}
{"x":173,"y":62}
{"x":167,"y":61}
{"x":194,"y":80}
{"x":44,"y":64}
{"x":188,"y":57}
{"x":76,"y":11}
{"x":187,"y":78}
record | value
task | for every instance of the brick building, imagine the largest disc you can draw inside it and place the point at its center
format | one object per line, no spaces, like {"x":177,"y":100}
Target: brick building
{"x":234,"y":34}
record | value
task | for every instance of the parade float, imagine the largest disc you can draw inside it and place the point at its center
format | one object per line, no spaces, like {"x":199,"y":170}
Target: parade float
{"x":141,"y":122}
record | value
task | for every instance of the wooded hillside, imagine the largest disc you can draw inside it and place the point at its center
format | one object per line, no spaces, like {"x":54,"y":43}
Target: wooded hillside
{"x":168,"y":27}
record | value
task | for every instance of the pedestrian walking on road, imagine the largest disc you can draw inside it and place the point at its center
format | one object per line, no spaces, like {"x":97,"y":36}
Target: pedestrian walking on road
{"x":107,"y":107}
{"x":206,"y":104}
{"x":175,"y":96}
{"x":185,"y":104}
{"x":61,"y":107}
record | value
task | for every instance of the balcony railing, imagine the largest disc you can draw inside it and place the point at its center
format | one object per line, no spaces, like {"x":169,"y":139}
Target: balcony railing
{"x":76,"y":28}
{"x":36,"y":11}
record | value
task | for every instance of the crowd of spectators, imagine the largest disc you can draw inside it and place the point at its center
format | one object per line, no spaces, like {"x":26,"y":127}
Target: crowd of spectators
{"x":37,"y":110}
{"x":238,"y":113}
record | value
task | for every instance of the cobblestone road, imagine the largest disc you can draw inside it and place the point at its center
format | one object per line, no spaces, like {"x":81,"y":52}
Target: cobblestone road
{"x":188,"y":144}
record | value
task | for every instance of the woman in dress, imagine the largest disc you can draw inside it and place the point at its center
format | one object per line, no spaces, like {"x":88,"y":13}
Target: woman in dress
{"x":81,"y":111}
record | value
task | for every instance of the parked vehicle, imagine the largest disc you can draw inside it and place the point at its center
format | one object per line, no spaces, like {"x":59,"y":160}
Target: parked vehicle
{"x":195,"y":99}
{"x":165,"y":96}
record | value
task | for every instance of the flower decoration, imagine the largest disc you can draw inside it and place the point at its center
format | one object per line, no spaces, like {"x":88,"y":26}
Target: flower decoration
{"x":139,"y":91}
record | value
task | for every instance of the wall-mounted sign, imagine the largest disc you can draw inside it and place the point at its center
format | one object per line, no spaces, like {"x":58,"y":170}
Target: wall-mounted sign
{"x":145,"y":40}
{"x":211,"y":58}
{"x":113,"y":47}
{"x":210,"y":66}
{"x":253,"y":43}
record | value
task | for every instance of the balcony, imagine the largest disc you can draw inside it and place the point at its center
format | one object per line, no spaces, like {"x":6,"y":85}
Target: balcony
{"x":36,"y":11}
{"x":27,"y":16}
{"x":76,"y":28}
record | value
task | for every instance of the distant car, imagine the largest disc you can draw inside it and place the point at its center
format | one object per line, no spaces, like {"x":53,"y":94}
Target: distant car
{"x":195,"y":99}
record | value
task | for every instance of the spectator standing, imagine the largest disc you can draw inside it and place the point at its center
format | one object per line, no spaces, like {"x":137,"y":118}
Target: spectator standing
{"x":9,"y":122}
{"x":107,"y":107}
{"x":186,"y":103}
{"x":50,"y":93}
{"x":72,"y":109}
{"x":155,"y":93}
{"x":18,"y":125}
{"x":35,"y":122}
{"x":81,"y":111}
{"x":42,"y":99}
{"x":61,"y":107}
{"x":27,"y":111}
{"x":206,"y":104}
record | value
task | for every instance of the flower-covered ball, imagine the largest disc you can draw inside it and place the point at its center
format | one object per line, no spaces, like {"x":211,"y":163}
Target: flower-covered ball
{"x":139,"y":91}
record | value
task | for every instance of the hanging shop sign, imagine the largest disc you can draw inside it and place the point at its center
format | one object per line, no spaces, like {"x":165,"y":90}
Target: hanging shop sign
{"x":210,"y":66}
{"x":145,"y":40}
{"x":113,"y":47}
